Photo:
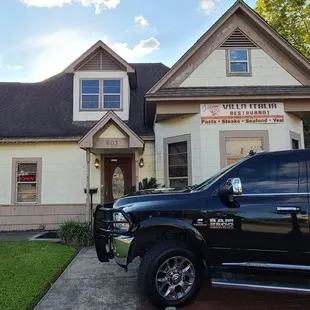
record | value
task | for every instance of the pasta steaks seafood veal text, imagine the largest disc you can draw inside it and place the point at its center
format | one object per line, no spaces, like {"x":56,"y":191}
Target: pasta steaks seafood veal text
{"x":242,"y":113}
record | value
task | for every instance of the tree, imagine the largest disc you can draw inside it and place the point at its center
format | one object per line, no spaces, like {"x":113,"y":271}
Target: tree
{"x":291,"y":19}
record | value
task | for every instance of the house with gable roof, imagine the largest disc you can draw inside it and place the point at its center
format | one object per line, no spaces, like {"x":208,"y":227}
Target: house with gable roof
{"x":102,"y":125}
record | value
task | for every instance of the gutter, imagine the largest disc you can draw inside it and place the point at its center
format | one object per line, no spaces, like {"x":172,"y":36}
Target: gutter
{"x":38,"y":140}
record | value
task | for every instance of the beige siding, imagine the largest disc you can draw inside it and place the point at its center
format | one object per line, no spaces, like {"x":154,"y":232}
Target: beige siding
{"x":265,"y":71}
{"x":295,"y":124}
{"x":63,"y":171}
{"x":206,"y":159}
{"x":63,"y":183}
{"x":148,"y":171}
{"x":176,"y":127}
{"x":28,"y":217}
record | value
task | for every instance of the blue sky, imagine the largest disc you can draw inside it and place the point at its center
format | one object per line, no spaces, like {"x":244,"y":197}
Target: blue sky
{"x":39,"y":38}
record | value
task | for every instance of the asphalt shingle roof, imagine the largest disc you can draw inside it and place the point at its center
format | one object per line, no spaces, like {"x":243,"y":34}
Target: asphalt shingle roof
{"x":231,"y":91}
{"x":45,"y":109}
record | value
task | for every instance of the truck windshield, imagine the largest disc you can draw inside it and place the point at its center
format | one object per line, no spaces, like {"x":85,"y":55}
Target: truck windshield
{"x":209,"y":181}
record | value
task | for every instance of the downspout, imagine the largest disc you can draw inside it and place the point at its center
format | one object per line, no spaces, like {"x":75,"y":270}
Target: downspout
{"x":88,"y":215}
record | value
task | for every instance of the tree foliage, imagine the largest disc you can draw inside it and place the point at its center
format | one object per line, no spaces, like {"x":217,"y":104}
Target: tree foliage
{"x":291,"y":19}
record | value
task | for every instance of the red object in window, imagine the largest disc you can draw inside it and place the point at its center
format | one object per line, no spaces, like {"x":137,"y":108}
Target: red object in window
{"x":27,"y":178}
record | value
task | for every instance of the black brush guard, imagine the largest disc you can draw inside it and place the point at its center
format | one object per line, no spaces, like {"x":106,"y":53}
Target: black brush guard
{"x":104,"y":229}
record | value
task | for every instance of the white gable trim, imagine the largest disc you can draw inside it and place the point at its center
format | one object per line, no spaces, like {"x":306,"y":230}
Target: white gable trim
{"x":297,"y":57}
{"x":88,"y":140}
{"x":70,"y":68}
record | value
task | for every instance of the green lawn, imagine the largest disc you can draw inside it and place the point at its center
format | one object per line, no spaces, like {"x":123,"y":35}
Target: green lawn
{"x":27,"y":270}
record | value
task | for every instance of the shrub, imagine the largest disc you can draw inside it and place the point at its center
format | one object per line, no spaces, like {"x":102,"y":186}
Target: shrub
{"x":76,"y":234}
{"x":148,"y":184}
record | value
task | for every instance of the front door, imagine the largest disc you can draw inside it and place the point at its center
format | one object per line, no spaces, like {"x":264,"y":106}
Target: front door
{"x":117,"y":177}
{"x":271,"y":223}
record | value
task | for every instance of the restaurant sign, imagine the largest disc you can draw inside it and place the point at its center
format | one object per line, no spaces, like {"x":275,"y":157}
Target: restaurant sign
{"x":242,"y":113}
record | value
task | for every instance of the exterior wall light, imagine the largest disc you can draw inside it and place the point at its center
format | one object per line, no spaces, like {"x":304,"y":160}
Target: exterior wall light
{"x":97,"y":163}
{"x":141,"y":163}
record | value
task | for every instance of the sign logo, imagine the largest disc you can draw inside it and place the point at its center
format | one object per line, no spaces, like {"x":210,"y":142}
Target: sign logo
{"x":221,"y":223}
{"x":200,"y":222}
{"x":214,"y":109}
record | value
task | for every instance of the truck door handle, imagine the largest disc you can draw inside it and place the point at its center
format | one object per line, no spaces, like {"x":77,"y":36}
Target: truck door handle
{"x":290,"y":210}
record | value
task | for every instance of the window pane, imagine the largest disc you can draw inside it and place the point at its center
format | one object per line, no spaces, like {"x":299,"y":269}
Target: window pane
{"x":235,"y":55}
{"x":231,"y":160}
{"x":26,"y":192}
{"x":236,"y":67}
{"x":266,"y":177}
{"x":27,"y":172}
{"x":90,"y":83}
{"x":27,"y":168}
{"x":295,"y":144}
{"x":177,"y":159}
{"x":242,"y":146}
{"x":179,"y":183}
{"x":90,"y":86}
{"x":90,"y":101}
{"x":178,"y":171}
{"x":176,"y":148}
{"x":112,"y":101}
{"x":111,"y":86}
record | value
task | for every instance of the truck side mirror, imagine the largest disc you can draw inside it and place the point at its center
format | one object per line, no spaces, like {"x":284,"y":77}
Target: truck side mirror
{"x":233,"y":187}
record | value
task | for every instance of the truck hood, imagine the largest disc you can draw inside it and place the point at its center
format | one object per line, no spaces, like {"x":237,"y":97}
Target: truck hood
{"x":160,"y":204}
{"x":151,"y":202}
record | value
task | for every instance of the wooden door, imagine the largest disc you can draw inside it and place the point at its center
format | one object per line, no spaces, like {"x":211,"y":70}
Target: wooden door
{"x":117,"y":177}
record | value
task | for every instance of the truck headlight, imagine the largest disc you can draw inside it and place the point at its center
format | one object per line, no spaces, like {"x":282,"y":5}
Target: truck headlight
{"x":120,"y":218}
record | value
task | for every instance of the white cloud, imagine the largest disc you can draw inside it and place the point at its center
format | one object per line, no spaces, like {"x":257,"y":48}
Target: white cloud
{"x":141,"y":21}
{"x":52,"y":53}
{"x":99,"y":5}
{"x":15,"y":67}
{"x":208,"y":6}
{"x":143,"y":48}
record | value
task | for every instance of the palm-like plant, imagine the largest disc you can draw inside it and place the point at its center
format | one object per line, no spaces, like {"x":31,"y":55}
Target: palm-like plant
{"x":148,"y":184}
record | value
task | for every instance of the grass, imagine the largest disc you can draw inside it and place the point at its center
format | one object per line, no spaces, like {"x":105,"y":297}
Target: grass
{"x":27,"y":270}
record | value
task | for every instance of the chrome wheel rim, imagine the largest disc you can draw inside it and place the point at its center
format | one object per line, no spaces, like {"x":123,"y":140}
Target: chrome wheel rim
{"x":175,"y":278}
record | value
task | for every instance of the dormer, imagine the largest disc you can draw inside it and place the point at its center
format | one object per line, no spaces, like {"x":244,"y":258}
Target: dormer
{"x":102,"y":82}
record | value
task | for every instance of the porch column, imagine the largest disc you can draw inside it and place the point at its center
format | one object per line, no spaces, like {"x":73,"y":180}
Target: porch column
{"x":88,"y":215}
{"x":137,"y":168}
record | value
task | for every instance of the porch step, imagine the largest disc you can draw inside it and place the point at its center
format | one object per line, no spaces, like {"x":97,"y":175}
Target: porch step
{"x":261,"y":286}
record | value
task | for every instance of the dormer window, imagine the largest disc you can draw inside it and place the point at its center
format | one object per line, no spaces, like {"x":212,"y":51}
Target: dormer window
{"x":101,"y":94}
{"x":238,"y":62}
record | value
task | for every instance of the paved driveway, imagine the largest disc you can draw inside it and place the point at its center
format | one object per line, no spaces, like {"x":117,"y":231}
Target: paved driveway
{"x":87,"y":284}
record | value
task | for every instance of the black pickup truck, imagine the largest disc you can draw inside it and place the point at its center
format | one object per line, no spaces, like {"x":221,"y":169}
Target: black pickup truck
{"x":245,"y":227}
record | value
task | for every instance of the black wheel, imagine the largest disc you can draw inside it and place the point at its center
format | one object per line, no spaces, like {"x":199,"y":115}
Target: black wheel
{"x":170,"y":274}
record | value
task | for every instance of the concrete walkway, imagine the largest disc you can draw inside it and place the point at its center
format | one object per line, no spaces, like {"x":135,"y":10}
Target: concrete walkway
{"x":88,"y":284}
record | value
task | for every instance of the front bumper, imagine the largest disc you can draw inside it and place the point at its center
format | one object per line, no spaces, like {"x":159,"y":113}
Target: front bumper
{"x":120,"y":246}
{"x":109,"y":241}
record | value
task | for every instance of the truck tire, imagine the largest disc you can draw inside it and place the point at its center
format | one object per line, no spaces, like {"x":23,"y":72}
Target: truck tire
{"x":170,"y":274}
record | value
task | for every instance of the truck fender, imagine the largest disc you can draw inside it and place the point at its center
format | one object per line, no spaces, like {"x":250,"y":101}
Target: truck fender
{"x":163,"y":223}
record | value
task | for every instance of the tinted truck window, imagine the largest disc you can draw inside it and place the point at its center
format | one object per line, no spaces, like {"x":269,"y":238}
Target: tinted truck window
{"x":270,"y":177}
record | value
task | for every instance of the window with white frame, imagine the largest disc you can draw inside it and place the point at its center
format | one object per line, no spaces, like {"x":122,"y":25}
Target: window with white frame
{"x":178,"y":164}
{"x":101,"y":94}
{"x":238,"y":61}
{"x":26,"y":187}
